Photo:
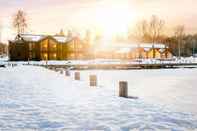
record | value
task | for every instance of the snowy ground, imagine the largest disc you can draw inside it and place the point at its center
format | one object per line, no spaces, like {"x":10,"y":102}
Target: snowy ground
{"x":104,"y":61}
{"x":40,"y":99}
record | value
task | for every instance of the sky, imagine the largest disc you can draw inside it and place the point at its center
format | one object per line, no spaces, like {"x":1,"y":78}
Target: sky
{"x":106,"y":16}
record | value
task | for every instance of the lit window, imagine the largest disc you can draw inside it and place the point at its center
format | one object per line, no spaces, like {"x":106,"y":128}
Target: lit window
{"x":54,"y":55}
{"x":80,"y":46}
{"x":54,"y":45}
{"x":45,"y":45}
{"x":72,"y":55}
{"x":45,"y":56}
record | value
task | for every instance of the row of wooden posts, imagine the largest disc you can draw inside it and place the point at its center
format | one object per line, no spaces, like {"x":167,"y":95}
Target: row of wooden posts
{"x":93,"y":81}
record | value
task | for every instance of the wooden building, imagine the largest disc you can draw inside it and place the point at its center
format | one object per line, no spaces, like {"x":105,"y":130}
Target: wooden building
{"x":41,"y":47}
{"x":133,"y":51}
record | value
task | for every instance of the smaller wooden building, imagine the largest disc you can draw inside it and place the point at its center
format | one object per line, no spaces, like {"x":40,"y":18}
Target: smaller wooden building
{"x":133,"y":51}
{"x":45,"y":47}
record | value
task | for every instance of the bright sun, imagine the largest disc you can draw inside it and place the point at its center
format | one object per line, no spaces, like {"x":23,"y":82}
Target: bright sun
{"x":114,"y":19}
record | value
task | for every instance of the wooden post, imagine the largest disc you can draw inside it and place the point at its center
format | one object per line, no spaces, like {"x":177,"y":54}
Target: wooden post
{"x":123,"y":89}
{"x":56,"y":70}
{"x":67,"y":73}
{"x":93,"y":80}
{"x":53,"y":68}
{"x":77,"y":75}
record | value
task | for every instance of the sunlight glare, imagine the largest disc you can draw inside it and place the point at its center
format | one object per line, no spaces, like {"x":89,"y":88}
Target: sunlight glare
{"x":114,"y":19}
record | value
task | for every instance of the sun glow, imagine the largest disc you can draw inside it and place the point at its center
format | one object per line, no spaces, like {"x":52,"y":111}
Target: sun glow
{"x":114,"y":19}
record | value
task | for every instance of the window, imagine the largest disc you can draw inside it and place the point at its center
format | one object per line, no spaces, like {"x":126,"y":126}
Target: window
{"x":53,"y":56}
{"x":33,"y":55}
{"x":30,"y":55}
{"x":71,"y":46}
{"x":44,"y":45}
{"x":80,"y":46}
{"x":44,"y":56}
{"x":53,"y":45}
{"x":31,"y":46}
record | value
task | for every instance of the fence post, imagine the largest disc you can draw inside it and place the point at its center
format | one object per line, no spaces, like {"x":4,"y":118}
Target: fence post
{"x":123,"y":89}
{"x":56,"y":69}
{"x":61,"y":71}
{"x":93,"y":80}
{"x":67,"y":73}
{"x":77,"y":75}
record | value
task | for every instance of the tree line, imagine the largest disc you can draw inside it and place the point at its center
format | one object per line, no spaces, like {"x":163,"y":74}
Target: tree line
{"x":152,"y":31}
{"x":149,"y":31}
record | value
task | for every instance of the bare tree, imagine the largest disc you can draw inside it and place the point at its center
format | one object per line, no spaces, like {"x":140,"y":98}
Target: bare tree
{"x":141,"y":30}
{"x":150,"y":31}
{"x":179,"y":34}
{"x":88,"y":37}
{"x":156,"y":26}
{"x":20,"y":21}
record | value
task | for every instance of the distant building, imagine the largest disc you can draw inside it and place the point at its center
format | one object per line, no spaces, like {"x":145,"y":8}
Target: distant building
{"x":41,"y":47}
{"x":133,"y":51}
{"x":3,"y":49}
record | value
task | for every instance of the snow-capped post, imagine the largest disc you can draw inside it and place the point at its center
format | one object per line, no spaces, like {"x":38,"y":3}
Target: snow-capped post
{"x":56,"y":69}
{"x":61,"y":71}
{"x":93,"y":80}
{"x":77,"y":75}
{"x":123,"y":89}
{"x":46,"y":63}
{"x":67,"y":72}
{"x":28,"y":62}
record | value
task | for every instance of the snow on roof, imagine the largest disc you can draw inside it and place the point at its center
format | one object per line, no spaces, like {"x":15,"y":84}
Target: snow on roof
{"x":122,"y":47}
{"x":33,"y":38}
{"x":161,"y":50}
{"x":61,"y":39}
{"x":151,"y":45}
{"x":123,"y":50}
{"x":36,"y":38}
{"x":158,"y":45}
{"x":147,"y":49}
{"x":142,"y":45}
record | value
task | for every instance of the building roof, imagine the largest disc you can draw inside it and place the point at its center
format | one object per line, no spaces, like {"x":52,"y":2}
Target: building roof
{"x":36,"y":38}
{"x":126,"y":47}
{"x":33,"y":38}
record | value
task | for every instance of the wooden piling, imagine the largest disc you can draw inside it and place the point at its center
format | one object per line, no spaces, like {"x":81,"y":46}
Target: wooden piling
{"x":77,"y":75}
{"x":93,"y":80}
{"x":123,"y":89}
{"x":67,"y":73}
{"x":61,"y":71}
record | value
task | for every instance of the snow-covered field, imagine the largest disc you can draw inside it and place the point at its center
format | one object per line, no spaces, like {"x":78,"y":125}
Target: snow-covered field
{"x":35,"y":98}
{"x":104,"y":61}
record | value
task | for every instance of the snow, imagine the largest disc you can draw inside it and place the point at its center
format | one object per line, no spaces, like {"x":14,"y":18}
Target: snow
{"x":62,"y":39}
{"x":115,"y":61}
{"x":123,"y":50}
{"x":33,"y":38}
{"x":126,"y":47}
{"x":36,"y":98}
{"x":36,"y":38}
